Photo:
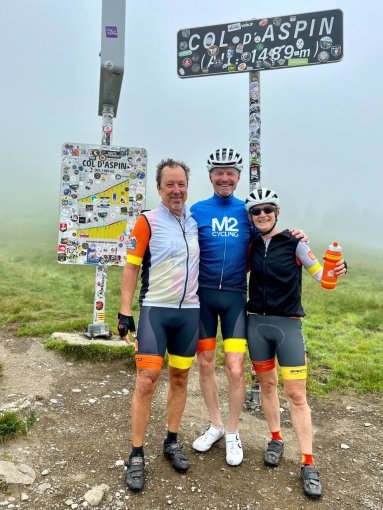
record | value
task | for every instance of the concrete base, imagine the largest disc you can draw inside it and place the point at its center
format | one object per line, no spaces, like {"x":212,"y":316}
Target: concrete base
{"x":98,"y":330}
{"x":81,"y":339}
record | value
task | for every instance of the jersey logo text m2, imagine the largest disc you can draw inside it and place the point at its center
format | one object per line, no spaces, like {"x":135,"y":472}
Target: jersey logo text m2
{"x":226,"y":228}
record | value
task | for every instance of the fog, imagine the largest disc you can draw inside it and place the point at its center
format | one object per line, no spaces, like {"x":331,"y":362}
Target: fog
{"x":321,"y":134}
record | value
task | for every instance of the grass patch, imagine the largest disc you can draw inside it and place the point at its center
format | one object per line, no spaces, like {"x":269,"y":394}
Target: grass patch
{"x":31,"y":420}
{"x":344,"y":330}
{"x":92,"y":352}
{"x":11,"y":425}
{"x":5,"y":457}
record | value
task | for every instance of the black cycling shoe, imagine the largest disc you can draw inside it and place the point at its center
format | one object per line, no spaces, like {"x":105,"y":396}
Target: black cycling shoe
{"x":135,"y":473}
{"x":173,"y":452}
{"x":273,"y":453}
{"x":311,"y":483}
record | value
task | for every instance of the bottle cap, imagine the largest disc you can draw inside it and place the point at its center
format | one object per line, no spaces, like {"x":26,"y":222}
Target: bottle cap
{"x":335,"y":246}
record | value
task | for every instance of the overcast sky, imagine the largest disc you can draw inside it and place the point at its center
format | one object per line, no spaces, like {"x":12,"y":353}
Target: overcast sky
{"x":321,"y":130}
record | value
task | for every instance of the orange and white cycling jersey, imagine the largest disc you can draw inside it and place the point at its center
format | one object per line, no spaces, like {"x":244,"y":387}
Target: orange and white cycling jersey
{"x":167,"y":247}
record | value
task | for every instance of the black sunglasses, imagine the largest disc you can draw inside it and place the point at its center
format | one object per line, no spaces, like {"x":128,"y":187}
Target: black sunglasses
{"x":267,"y":210}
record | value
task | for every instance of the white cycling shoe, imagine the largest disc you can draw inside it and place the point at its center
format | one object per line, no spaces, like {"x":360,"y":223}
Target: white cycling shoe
{"x":234,"y":452}
{"x":204,"y":442}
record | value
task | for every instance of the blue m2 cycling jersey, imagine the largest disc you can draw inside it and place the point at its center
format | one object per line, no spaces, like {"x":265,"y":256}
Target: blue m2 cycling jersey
{"x":223,"y":233}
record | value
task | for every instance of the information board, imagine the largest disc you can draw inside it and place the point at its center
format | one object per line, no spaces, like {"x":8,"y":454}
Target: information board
{"x":101,"y":194}
{"x":261,"y":44}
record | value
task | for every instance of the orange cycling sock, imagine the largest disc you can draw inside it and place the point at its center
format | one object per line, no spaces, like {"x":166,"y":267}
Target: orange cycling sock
{"x":277,"y":435}
{"x":307,"y":459}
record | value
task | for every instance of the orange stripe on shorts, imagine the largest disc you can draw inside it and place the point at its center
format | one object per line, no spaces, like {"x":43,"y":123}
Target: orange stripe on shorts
{"x":206,"y":344}
{"x":149,"y":361}
{"x":263,"y":366}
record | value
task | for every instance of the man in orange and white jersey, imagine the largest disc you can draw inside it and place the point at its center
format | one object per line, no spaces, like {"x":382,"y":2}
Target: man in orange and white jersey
{"x":164,"y":242}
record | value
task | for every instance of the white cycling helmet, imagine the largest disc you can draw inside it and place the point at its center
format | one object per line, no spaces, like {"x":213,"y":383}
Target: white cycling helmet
{"x":261,"y":196}
{"x":225,"y":157}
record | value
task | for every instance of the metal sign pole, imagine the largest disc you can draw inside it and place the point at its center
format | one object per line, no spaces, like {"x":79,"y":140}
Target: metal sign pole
{"x":111,"y":74}
{"x":107,"y":124}
{"x":100,"y":328}
{"x":253,"y":394}
{"x":254,"y":130}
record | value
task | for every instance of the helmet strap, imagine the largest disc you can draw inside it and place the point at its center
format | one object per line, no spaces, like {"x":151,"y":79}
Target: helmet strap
{"x":268,"y":231}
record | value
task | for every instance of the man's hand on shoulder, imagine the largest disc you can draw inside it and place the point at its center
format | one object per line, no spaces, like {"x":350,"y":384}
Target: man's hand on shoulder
{"x":299,"y":234}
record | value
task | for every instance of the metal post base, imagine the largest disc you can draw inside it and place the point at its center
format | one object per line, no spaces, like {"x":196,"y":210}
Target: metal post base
{"x":98,"y":331}
{"x":253,"y":399}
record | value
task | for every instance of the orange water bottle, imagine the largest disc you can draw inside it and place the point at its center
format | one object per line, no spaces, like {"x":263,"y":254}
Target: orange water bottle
{"x":332,"y":255}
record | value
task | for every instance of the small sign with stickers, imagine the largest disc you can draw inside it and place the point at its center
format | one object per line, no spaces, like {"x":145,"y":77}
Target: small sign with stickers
{"x":261,"y":44}
{"x":102,"y":192}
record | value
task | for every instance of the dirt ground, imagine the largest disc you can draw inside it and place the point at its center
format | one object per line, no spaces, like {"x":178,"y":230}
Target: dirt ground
{"x":83,"y":431}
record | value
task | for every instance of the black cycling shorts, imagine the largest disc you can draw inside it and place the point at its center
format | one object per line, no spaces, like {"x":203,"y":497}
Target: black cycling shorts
{"x":172,"y":329}
{"x":230,"y":308}
{"x":269,"y":336}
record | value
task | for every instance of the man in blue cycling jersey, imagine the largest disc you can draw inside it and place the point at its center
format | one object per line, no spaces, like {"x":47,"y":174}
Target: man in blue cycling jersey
{"x":223,"y":231}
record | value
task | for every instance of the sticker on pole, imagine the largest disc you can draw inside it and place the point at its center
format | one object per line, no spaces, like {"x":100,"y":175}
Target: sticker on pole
{"x":102,"y":192}
{"x":261,"y":44}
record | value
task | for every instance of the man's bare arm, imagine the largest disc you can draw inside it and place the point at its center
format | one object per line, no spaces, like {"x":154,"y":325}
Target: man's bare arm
{"x":128,"y":287}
